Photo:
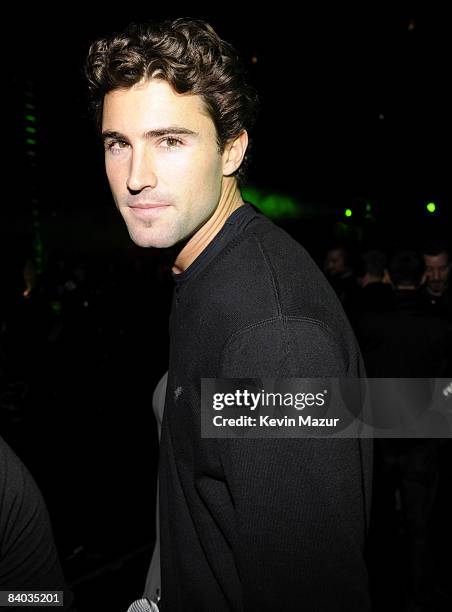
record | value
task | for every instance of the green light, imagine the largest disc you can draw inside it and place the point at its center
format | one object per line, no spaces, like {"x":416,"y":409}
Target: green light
{"x":368,"y":207}
{"x":251,"y":194}
{"x":56,"y":307}
{"x":30,"y":141}
{"x":30,"y":106}
{"x":431,"y":207}
{"x":273,"y":205}
{"x":276,"y":206}
{"x":30,"y":129}
{"x":30,"y":118}
{"x":348,"y":212}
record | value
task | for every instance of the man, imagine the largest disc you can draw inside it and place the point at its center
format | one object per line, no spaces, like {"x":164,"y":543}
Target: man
{"x":244,"y":524}
{"x":376,"y":293}
{"x":436,"y":290}
{"x":374,"y":268}
{"x":340,"y":274}
{"x":28,"y":556}
{"x":400,"y":342}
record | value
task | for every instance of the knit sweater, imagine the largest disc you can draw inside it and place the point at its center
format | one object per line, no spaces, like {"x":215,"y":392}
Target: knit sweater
{"x":258,"y":524}
{"x":28,"y":556}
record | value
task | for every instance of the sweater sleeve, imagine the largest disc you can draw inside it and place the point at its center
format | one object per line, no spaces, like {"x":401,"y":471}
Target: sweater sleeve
{"x":28,"y":556}
{"x":297,"y":503}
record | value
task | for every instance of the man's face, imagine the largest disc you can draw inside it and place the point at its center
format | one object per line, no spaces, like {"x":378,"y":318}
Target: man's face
{"x":334,"y":262}
{"x":437,"y":269}
{"x":162,"y":161}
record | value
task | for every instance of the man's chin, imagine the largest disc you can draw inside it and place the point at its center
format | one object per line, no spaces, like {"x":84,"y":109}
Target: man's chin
{"x":150,"y":239}
{"x":436,"y":289}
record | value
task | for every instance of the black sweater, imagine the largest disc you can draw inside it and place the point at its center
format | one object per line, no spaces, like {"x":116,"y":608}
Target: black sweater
{"x":28,"y":556}
{"x":247,"y":524}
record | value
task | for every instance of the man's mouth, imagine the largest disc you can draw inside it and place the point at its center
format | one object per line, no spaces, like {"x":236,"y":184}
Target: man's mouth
{"x":147,"y":211}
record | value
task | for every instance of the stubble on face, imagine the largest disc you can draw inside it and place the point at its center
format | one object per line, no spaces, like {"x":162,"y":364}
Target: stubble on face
{"x":437,"y":272}
{"x":162,"y":162}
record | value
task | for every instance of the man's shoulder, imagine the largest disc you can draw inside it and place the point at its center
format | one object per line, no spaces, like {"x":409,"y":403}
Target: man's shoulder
{"x":266,"y":270}
{"x":264,"y":293}
{"x":18,"y":490}
{"x":266,"y":240}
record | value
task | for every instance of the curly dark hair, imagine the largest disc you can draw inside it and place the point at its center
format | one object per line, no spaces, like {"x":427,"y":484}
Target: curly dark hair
{"x":191,"y":57}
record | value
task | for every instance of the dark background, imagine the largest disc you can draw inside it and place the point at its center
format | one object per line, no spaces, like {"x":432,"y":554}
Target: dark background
{"x":356,"y":109}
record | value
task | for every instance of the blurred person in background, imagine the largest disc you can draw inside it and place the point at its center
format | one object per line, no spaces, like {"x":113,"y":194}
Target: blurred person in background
{"x":436,"y":290}
{"x":340,"y":273}
{"x":28,"y":556}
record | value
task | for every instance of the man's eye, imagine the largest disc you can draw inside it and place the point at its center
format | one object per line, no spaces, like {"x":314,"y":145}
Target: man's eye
{"x":171,"y":143}
{"x":115,"y":145}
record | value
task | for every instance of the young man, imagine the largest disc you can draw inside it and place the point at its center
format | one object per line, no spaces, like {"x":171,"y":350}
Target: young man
{"x":272,"y":524}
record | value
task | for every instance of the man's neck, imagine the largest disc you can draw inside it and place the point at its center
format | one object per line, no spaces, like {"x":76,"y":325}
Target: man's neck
{"x":230,"y":200}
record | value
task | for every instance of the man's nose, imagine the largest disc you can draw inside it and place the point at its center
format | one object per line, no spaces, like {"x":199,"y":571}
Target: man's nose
{"x":142,"y":173}
{"x":435,"y":274}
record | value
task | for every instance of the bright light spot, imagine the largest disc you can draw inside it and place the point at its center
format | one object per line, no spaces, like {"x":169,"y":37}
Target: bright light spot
{"x":348,"y":212}
{"x":431,"y":207}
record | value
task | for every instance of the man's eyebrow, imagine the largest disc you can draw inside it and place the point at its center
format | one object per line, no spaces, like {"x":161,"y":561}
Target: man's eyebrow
{"x":169,"y":130}
{"x":157,"y":133}
{"x":113,"y":135}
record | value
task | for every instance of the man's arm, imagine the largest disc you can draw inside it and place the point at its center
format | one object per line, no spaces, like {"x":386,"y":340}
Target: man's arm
{"x":299,"y":505}
{"x":28,"y":556}
{"x":152,"y":589}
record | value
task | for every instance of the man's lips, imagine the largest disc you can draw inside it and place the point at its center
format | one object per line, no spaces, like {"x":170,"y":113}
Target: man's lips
{"x":148,"y":205}
{"x":148,"y":210}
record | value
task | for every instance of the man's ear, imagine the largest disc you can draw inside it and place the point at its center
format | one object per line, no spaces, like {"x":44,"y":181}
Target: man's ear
{"x":234,"y":152}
